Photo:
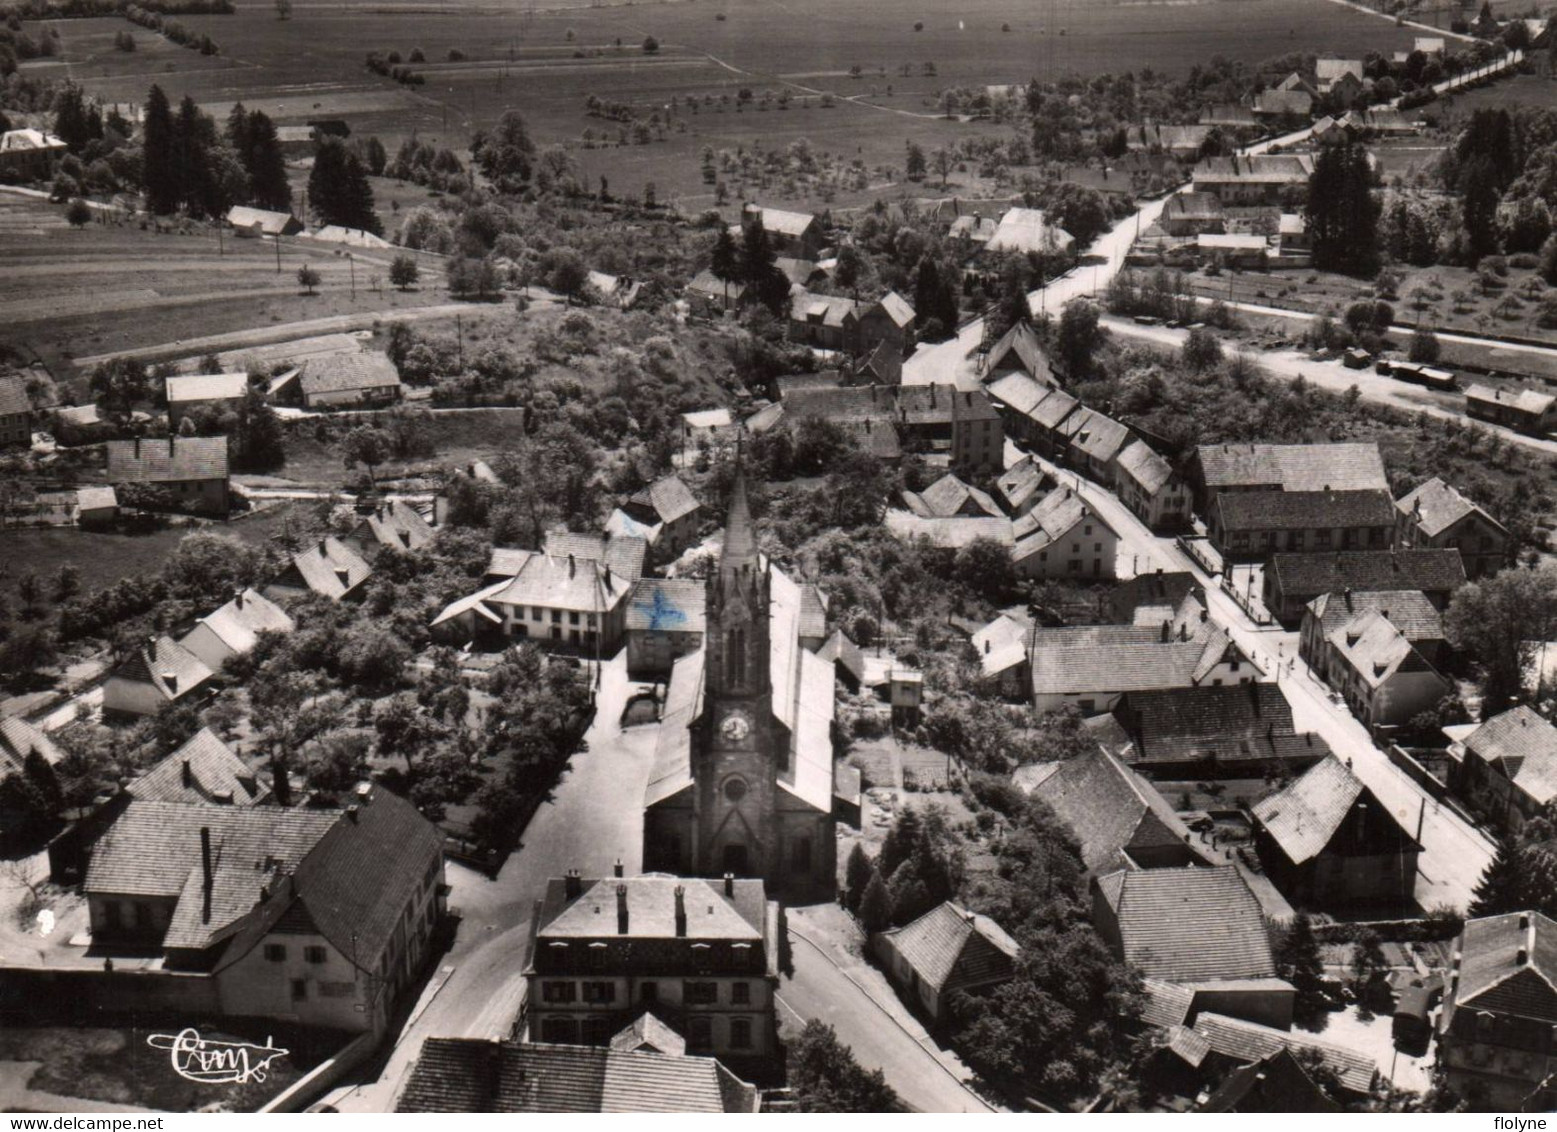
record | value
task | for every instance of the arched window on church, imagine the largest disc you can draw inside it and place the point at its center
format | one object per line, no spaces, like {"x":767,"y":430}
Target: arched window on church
{"x":737,"y":665}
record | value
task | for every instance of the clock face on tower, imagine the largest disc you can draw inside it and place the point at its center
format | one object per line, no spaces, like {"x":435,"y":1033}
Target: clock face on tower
{"x":735,"y":726}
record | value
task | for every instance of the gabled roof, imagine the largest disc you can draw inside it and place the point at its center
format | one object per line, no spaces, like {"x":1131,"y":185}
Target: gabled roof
{"x":781,"y":221}
{"x":1019,"y":348}
{"x":16,"y":141}
{"x":1112,"y":811}
{"x":1190,"y":925}
{"x":1376,"y":650}
{"x":395,"y":524}
{"x":811,"y":621}
{"x":1522,"y":746}
{"x":270,"y":223}
{"x":478,"y":1075}
{"x":1054,"y":516}
{"x":13,"y":396}
{"x":1028,"y":230}
{"x":549,"y":581}
{"x":897,"y":308}
{"x":207,"y":387}
{"x":1276,"y":1083}
{"x":1099,"y":437}
{"x":651,"y":909}
{"x":669,"y":498}
{"x":1328,"y":70}
{"x":1293,"y":467}
{"x":242,"y":619}
{"x":1194,"y":206}
{"x":1250,"y":1042}
{"x":707,"y":283}
{"x":331,"y":568}
{"x":19,"y":739}
{"x":1147,"y":469}
{"x":647,"y":1032}
{"x":1019,"y":484}
{"x":1304,"y":510}
{"x":1017,"y":391}
{"x":1407,"y":610}
{"x":941,"y":404}
{"x":948,"y":497}
{"x":1431,"y":571}
{"x":346,"y":373}
{"x":825,"y":310}
{"x":1126,"y":667}
{"x":667,"y":605}
{"x":176,"y":459}
{"x":167,"y":666}
{"x":948,"y":534}
{"x":204,"y":770}
{"x":1435,"y":506}
{"x":1508,"y":965}
{"x":622,"y":555}
{"x":1523,"y":400}
{"x":1304,"y":817}
{"x":1162,"y":589}
{"x":1052,"y":411}
{"x":950,"y":948}
{"x":1167,"y":1004}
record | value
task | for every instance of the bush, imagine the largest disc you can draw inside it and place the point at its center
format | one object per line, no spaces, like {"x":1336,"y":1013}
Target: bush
{"x":79,"y":213}
{"x":1424,"y":347}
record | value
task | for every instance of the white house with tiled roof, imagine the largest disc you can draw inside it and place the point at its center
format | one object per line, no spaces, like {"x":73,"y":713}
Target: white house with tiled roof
{"x":1062,"y":537}
{"x":349,"y":380}
{"x":394,"y":524}
{"x":1507,"y":767}
{"x":231,"y":629}
{"x":1436,"y":515}
{"x":1385,"y":679}
{"x":203,"y":771}
{"x":159,"y":673}
{"x":1148,"y":485}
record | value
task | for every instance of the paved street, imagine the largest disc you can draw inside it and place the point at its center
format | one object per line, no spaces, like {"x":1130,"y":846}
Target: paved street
{"x":1454,"y":853}
{"x":595,"y":817}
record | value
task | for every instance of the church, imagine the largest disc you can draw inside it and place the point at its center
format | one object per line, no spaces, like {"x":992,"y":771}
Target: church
{"x":743,"y":773}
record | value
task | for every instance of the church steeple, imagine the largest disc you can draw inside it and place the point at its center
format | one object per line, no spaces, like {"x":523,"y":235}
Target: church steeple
{"x":738,"y":604}
{"x":739,"y":556}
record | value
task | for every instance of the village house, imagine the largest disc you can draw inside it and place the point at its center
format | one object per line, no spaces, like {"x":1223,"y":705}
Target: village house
{"x":29,"y":155}
{"x":1192,"y":214}
{"x":705,"y":429}
{"x":1408,"y":610}
{"x":623,"y":555}
{"x":1275,"y":1083}
{"x":204,"y":391}
{"x":320,"y":917}
{"x":192,"y":471}
{"x":1015,"y":396}
{"x":629,"y":1076}
{"x":232,"y":629}
{"x":705,"y":952}
{"x":1436,"y":515}
{"x":833,"y":322}
{"x":1062,"y":537}
{"x":1506,"y":768}
{"x":1151,"y":599}
{"x":1198,"y":928}
{"x":1093,"y":444}
{"x":1497,"y":1032}
{"x":1217,"y":468}
{"x":566,"y":602}
{"x":1149,"y":487}
{"x":1022,"y":486}
{"x":1229,"y":115}
{"x":95,"y":506}
{"x":1264,"y":179}
{"x":1119,"y":818}
{"x":15,"y":412}
{"x":1092,"y":678}
{"x":666,"y":620}
{"x":959,"y":424}
{"x":619,"y":291}
{"x":356,"y":380}
{"x":1227,"y":1042}
{"x":970,"y":228}
{"x":799,"y":235}
{"x":1248,"y":526}
{"x":1018,"y":350}
{"x":1523,"y":410}
{"x":1209,"y":733}
{"x":394,"y":524}
{"x":1294,"y":580}
{"x":1275,"y":103}
{"x":1003,"y":648}
{"x":255,"y":222}
{"x":1182,"y":142}
{"x":947,"y":951}
{"x":204,"y":771}
{"x":1382,"y":676}
{"x":296,"y":141}
{"x":19,"y":740}
{"x":159,"y":673}
{"x":665,"y":514}
{"x":328,"y":568}
{"x":709,"y":296}
{"x":948,"y":497}
{"x":1028,"y":230}
{"x":1327,"y":841}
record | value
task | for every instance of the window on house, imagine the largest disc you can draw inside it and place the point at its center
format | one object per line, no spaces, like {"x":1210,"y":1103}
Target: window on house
{"x":600,"y":992}
{"x":573,"y":636}
{"x":1087,"y":530}
{"x":591,"y":621}
{"x":572,"y":617}
{"x":299,"y":990}
{"x":740,"y":1033}
{"x":556,"y":617}
{"x":700,"y":1032}
{"x":315,"y":954}
{"x":649,"y":992}
{"x":537,"y":613}
{"x":1087,"y":705}
{"x":275,"y":952}
{"x":557,"y":992}
{"x":740,"y":993}
{"x":701,"y":994}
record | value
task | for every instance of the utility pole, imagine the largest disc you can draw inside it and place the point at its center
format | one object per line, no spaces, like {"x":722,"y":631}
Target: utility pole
{"x":459,"y":338}
{"x":278,"y":255}
{"x":351,"y":265}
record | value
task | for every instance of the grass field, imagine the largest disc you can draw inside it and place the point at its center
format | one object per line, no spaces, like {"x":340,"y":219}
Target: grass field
{"x":545,"y":63}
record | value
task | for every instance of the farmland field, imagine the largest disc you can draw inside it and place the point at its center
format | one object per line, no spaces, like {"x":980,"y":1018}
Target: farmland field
{"x":545,"y":63}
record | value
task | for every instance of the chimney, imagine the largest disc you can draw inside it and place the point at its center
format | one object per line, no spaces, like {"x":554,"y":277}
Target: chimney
{"x":681,"y":912}
{"x":351,"y":813}
{"x":1521,"y":957}
{"x":616,"y":870}
{"x":205,"y":870}
{"x":621,"y":909}
{"x":572,"y":884}
{"x":137,"y":448}
{"x":1524,"y":921}
{"x":323,"y":549}
{"x":572,"y":566}
{"x":237,"y":598}
{"x":1167,"y":631}
{"x":729,"y":884}
{"x":189,"y":775}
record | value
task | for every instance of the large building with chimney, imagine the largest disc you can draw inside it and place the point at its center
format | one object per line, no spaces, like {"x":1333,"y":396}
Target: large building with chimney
{"x":743,"y":774}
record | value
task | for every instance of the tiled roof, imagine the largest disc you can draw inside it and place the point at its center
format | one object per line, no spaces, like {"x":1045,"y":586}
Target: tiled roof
{"x":949,"y":497}
{"x":95,"y":498}
{"x":242,"y":619}
{"x":1191,"y":924}
{"x":1250,"y":1042}
{"x":208,"y":387}
{"x":1020,"y":345}
{"x":1304,"y":510}
{"x":1304,"y":817}
{"x":1491,"y":976}
{"x":1194,"y":206}
{"x":173,"y":460}
{"x":1017,"y":392}
{"x":323,"y":563}
{"x":651,"y":909}
{"x":782,"y":221}
{"x":1124,"y":667}
{"x":940,"y":404}
{"x":827,"y":310}
{"x":1052,"y":411}
{"x":14,"y":141}
{"x":478,"y":1075}
{"x":812,"y":621}
{"x":950,"y":948}
{"x":669,"y":498}
{"x":13,"y":396}
{"x":19,"y":739}
{"x":1431,"y":571}
{"x":1435,"y":507}
{"x":167,"y":666}
{"x":581,"y":585}
{"x":1293,"y":467}
{"x":707,"y":283}
{"x":1021,"y":483}
{"x":1167,"y":1004}
{"x":897,"y":308}
{"x":1028,"y":230}
{"x":1002,"y":643}
{"x":1376,"y":650}
{"x":1275,"y":1083}
{"x":839,"y":403}
{"x":203,"y":770}
{"x":1055,"y":516}
{"x":344,"y":373}
{"x":1408,"y":610}
{"x":1524,"y":400}
{"x":622,"y":555}
{"x":1112,"y":811}
{"x":472,"y":602}
{"x":1523,"y":747}
{"x":395,"y":524}
{"x":1173,"y":717}
{"x":1163,"y":589}
{"x":1100,"y":437}
{"x":667,"y":605}
{"x":839,"y":649}
{"x":948,"y":534}
{"x":272,"y":223}
{"x":647,"y":1032}
{"x":1149,"y":470}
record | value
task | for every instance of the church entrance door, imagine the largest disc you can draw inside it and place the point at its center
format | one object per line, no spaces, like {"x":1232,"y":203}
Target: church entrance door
{"x":735,"y":860}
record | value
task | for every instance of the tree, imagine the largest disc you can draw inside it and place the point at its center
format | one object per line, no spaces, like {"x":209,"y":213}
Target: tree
{"x":78,"y":213}
{"x":307,"y":278}
{"x":1342,"y":213}
{"x":283,"y":9}
{"x":366,"y":445}
{"x":567,"y":273}
{"x":1498,"y":620}
{"x":67,"y":583}
{"x":857,"y":874}
{"x":73,"y":123}
{"x":118,"y":385}
{"x":506,"y":156}
{"x":1369,"y":967}
{"x":258,"y":443}
{"x":160,"y":177}
{"x":765,"y":283}
{"x":825,"y":1076}
{"x":726,"y":261}
{"x":850,"y":270}
{"x":338,"y":188}
{"x":945,"y":162}
{"x":1078,"y":339}
{"x":1202,"y":349}
{"x":259,"y":151}
{"x":403,"y":272}
{"x":915,"y":166}
{"x":1424,"y":347}
{"x":374,"y":154}
{"x":987,"y":567}
{"x":875,"y":905}
{"x":1501,"y":887}
{"x":1299,"y":962}
{"x":650,"y":45}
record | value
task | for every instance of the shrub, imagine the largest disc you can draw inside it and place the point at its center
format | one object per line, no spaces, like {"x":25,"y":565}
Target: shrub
{"x":1424,"y":347}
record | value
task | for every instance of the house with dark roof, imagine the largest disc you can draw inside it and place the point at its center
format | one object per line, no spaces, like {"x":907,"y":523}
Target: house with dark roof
{"x":951,"y":498}
{"x":1190,"y":214}
{"x":15,"y":411}
{"x":1149,"y":599}
{"x":20,"y":740}
{"x":565,"y":598}
{"x":1326,"y":841}
{"x":328,"y":567}
{"x":321,"y":917}
{"x":1119,"y":818}
{"x":1497,"y":1033}
{"x":1227,"y":1042}
{"x":1275,"y":1083}
{"x":1093,"y":677}
{"x":1214,"y":469}
{"x":1062,"y":537}
{"x":231,"y":629}
{"x":159,"y":673}
{"x":1436,"y":515}
{"x":1199,"y":928}
{"x":710,"y":296}
{"x":1260,"y":179}
{"x":1203,"y":732}
{"x":1408,"y":610}
{"x":204,"y":771}
{"x":1247,"y":526}
{"x":348,"y":381}
{"x":702,"y":954}
{"x":959,"y":424}
{"x":480,"y":1075}
{"x":1094,"y":443}
{"x":1294,"y":580}
{"x":1015,"y":396}
{"x":1148,"y":485}
{"x":947,"y":951}
{"x":665,"y":621}
{"x":1018,"y":351}
{"x":1386,"y":681}
{"x":191,"y":470}
{"x":394,"y":524}
{"x":1507,"y":767}
{"x":799,"y":235}
{"x":1524,"y":410}
{"x":665,"y":514}
{"x":1021,"y":486}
